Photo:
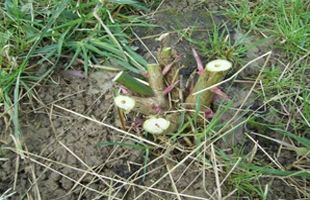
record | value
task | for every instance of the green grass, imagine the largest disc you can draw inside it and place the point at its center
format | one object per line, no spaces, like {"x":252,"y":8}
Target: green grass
{"x":285,"y":84}
{"x":287,"y":23}
{"x":220,"y":45}
{"x":38,"y":37}
{"x":243,"y":181}
{"x":284,"y":27}
{"x":63,"y":32}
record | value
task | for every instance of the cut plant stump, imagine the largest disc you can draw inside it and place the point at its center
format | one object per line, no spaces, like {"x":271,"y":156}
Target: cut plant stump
{"x":213,"y":73}
{"x":154,"y":106}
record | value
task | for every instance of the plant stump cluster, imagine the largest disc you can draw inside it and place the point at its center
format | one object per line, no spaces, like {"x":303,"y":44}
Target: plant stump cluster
{"x":160,"y":98}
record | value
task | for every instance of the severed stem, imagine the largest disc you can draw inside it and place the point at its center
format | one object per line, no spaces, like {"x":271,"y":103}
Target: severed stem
{"x":168,"y":59}
{"x":165,"y":56}
{"x":173,"y":118}
{"x":156,"y":125}
{"x":125,"y":103}
{"x":156,"y":81}
{"x":146,"y":106}
{"x":214,"y":72}
{"x":162,"y":125}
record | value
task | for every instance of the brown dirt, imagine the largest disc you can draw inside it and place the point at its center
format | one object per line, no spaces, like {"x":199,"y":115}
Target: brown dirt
{"x":63,"y":157}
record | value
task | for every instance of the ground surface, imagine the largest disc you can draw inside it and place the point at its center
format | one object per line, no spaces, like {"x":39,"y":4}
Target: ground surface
{"x":72,"y":153}
{"x":65,"y":159}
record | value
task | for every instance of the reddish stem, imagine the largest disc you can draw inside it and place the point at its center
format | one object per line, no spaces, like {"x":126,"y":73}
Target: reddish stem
{"x":167,"y":68}
{"x":198,"y":61}
{"x":124,"y":90}
{"x":220,"y":93}
{"x":170,"y":87}
{"x":157,"y":108}
{"x":208,"y":113}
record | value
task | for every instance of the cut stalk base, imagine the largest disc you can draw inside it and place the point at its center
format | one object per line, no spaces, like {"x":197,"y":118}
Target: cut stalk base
{"x":214,"y":72}
{"x":156,"y":81}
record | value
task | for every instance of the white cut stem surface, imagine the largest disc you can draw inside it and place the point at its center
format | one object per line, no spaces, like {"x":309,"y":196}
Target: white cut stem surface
{"x":156,"y":125}
{"x":125,"y":102}
{"x":218,"y":65}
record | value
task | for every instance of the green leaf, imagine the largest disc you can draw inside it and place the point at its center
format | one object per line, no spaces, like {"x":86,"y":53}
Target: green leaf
{"x":272,"y":171}
{"x":106,"y":46}
{"x":301,"y":140}
{"x":134,"y":56}
{"x":85,"y":58}
{"x":133,"y":3}
{"x":76,"y":54}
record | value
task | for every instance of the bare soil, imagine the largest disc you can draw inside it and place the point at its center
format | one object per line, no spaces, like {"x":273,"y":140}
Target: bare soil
{"x":68,"y":157}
